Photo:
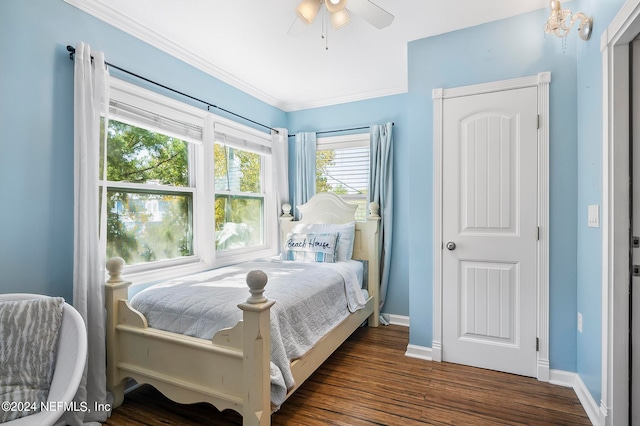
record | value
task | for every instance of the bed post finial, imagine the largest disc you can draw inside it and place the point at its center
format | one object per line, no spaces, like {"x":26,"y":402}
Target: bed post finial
{"x":286,"y":210}
{"x":257,"y":280}
{"x":115,"y":266}
{"x":374,"y":209}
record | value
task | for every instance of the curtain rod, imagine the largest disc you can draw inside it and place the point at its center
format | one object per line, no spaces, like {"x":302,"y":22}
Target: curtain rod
{"x":343,"y":130}
{"x":72,"y":51}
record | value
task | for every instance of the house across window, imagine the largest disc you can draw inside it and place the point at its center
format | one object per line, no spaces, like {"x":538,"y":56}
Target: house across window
{"x":342,"y":167}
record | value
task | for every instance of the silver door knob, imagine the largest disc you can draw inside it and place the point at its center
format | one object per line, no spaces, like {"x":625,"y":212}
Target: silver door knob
{"x":451,"y":245}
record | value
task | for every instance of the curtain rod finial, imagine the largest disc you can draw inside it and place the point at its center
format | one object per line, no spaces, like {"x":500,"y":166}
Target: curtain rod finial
{"x":71,"y":50}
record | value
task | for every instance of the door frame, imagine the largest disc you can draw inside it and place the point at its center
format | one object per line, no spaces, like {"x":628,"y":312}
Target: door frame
{"x":541,"y":81}
{"x":615,"y":46}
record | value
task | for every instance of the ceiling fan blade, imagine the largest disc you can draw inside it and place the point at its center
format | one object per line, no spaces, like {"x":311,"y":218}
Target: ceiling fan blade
{"x":298,"y":27}
{"x":372,"y":13}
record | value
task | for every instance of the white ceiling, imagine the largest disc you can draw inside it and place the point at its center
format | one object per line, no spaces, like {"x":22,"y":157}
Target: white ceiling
{"x":245,"y":42}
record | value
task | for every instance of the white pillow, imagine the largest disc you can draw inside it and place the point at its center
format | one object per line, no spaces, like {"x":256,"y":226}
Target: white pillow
{"x":311,"y":247}
{"x":346,"y":235}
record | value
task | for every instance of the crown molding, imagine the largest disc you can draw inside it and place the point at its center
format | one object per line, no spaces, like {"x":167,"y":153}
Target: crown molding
{"x":363,"y":96}
{"x":111,"y":16}
{"x":130,"y":26}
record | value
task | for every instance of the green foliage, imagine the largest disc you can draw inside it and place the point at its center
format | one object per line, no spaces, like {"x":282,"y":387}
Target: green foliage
{"x":237,"y":218}
{"x":324,"y":159}
{"x":140,"y":156}
{"x":137,"y":155}
{"x":119,"y":242}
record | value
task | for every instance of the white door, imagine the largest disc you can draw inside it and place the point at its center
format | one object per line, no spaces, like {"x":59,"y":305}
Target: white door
{"x":490,"y":232}
{"x":635,"y":231}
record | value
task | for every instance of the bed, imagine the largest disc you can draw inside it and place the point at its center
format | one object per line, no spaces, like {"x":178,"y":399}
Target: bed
{"x":233,"y":369}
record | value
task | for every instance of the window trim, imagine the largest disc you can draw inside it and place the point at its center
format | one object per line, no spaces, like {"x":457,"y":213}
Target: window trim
{"x":205,"y":255}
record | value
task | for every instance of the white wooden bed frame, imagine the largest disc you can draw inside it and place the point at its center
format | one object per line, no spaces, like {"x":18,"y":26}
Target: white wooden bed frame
{"x":231,"y":371}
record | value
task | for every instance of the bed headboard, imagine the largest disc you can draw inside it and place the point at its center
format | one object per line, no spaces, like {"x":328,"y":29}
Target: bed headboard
{"x":326,"y":207}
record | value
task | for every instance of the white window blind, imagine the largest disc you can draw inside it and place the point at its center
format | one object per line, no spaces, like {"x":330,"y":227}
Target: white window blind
{"x":347,"y":172}
{"x":155,"y":122}
{"x":258,"y":142}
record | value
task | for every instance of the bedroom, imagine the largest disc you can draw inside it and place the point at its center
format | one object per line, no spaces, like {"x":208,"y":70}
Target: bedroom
{"x":37,"y":160}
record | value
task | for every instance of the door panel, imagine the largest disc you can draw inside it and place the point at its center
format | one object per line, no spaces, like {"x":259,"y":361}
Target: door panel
{"x":487,"y":292}
{"x":487,"y":187}
{"x":490,"y":214}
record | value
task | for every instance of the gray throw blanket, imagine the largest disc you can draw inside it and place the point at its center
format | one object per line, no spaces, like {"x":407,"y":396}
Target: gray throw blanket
{"x":28,"y":338}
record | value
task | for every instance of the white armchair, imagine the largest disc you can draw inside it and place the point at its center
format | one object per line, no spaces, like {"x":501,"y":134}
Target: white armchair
{"x":71,"y":357}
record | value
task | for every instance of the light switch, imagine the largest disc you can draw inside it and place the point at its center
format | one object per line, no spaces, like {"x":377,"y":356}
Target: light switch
{"x":593,"y":216}
{"x":579,"y":322}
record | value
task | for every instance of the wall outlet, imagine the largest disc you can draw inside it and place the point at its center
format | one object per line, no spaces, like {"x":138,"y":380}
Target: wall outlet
{"x":579,"y":322}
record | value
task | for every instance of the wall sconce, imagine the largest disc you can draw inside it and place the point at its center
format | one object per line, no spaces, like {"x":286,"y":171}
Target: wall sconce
{"x":560,"y":21}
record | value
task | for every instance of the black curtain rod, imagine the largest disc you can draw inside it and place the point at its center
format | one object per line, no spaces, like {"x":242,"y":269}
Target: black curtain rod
{"x":72,"y":51}
{"x":342,"y":130}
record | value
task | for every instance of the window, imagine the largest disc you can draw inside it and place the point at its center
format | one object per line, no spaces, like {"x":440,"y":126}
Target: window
{"x":186,"y":190}
{"x":342,"y":167}
{"x":240,"y":161}
{"x":150,"y":195}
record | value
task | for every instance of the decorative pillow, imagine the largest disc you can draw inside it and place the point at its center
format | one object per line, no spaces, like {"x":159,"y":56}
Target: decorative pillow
{"x":29,"y":335}
{"x":346,"y":235}
{"x":311,"y":247}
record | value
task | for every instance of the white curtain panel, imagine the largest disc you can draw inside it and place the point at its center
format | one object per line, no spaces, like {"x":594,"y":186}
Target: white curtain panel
{"x":280,"y":159}
{"x":305,"y":170}
{"x":91,"y":82}
{"x":381,"y":191}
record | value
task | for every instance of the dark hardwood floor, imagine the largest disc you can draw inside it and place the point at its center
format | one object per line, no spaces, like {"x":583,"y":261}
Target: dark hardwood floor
{"x":369,"y":381}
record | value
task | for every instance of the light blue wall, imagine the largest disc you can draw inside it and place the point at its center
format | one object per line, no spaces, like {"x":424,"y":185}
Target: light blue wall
{"x":510,"y":48}
{"x":589,"y":266}
{"x":365,"y":113}
{"x":36,"y":146}
{"x":36,"y":130}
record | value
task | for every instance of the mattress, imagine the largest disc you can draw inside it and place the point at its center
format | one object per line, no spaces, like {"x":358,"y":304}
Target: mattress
{"x":311,"y":299}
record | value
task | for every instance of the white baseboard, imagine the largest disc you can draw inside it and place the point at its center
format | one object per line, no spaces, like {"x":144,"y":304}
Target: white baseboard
{"x":604,"y":412}
{"x":595,"y":413}
{"x":588,"y":403}
{"x":420,"y":352}
{"x":562,"y":378}
{"x":413,"y":351}
{"x":398,"y":319}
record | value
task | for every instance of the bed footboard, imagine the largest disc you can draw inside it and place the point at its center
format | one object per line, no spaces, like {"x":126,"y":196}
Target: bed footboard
{"x":231,"y":371}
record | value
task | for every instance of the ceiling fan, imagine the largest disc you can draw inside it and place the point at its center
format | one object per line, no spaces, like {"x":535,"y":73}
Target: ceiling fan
{"x":339,"y":10}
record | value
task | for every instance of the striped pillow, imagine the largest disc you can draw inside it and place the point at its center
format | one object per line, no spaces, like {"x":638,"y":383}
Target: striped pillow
{"x":311,"y":247}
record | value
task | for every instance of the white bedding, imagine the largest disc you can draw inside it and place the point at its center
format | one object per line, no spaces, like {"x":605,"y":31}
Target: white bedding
{"x":311,"y":299}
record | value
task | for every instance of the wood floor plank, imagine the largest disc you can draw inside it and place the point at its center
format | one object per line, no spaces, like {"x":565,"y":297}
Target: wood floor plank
{"x":368,"y":381}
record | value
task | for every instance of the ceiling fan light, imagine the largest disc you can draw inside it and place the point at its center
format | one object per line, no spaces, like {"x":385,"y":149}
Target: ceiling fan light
{"x":307,"y":10}
{"x":339,"y":19}
{"x":334,"y":6}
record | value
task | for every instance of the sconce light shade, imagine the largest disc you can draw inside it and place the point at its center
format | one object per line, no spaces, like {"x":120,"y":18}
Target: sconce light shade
{"x":307,"y":10}
{"x":560,"y":21}
{"x":340,"y":19}
{"x":334,"y":6}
